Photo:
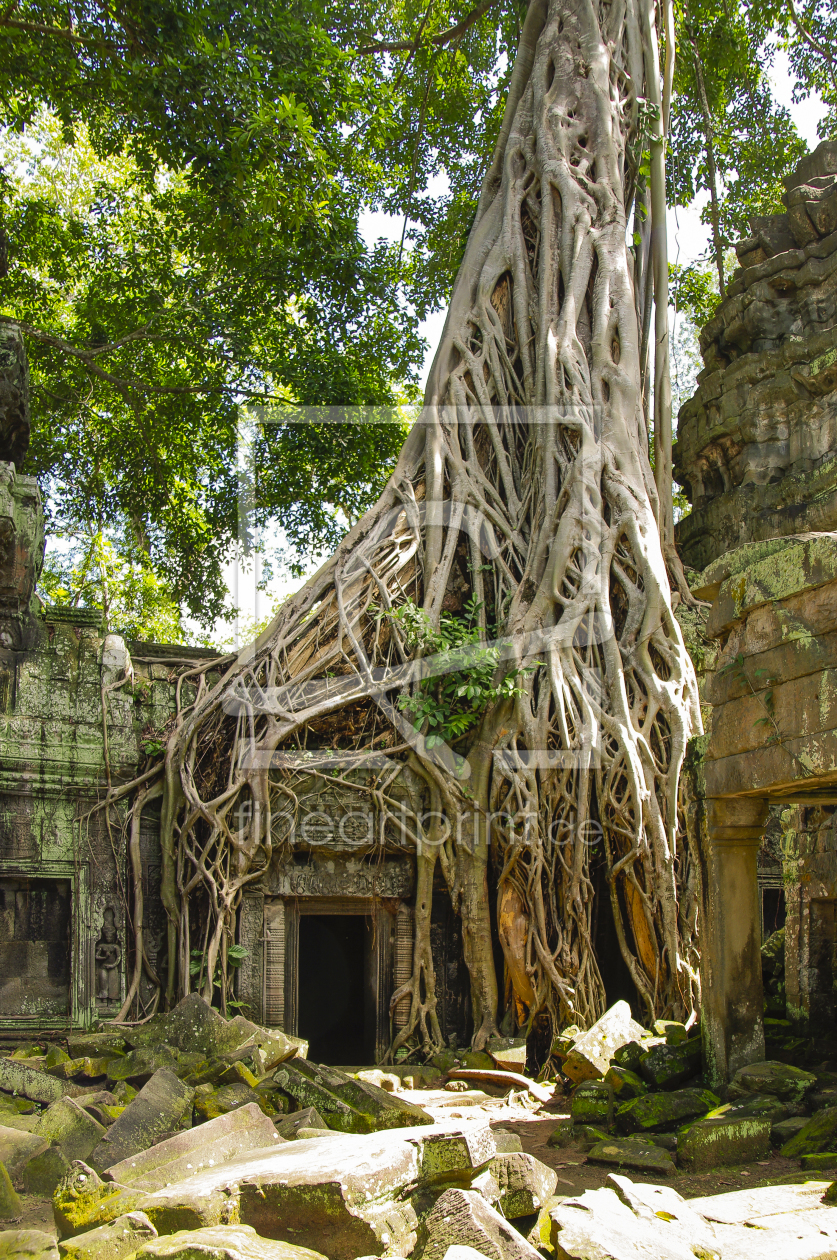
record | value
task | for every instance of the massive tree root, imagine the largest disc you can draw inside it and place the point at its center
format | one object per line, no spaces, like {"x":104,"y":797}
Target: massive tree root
{"x":523,"y":506}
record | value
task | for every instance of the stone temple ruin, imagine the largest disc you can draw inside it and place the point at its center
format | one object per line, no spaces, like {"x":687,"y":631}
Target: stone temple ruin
{"x":757,"y":456}
{"x":126,"y":1125}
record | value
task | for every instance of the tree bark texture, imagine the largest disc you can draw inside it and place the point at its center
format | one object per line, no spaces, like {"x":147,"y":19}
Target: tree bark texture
{"x":526,"y":488}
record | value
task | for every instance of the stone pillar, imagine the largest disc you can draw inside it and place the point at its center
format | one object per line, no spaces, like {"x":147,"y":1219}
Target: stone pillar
{"x":733,"y":999}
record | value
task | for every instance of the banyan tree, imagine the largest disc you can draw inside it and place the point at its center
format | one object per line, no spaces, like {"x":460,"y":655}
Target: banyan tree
{"x":500,"y":625}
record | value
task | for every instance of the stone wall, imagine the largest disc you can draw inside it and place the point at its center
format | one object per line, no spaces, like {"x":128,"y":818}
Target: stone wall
{"x":756,"y":448}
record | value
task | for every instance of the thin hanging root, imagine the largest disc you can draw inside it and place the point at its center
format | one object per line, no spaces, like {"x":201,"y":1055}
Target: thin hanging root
{"x":526,"y":487}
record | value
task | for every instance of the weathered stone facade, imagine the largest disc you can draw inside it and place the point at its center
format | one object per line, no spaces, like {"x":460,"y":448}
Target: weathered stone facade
{"x":757,"y":453}
{"x":756,"y":448}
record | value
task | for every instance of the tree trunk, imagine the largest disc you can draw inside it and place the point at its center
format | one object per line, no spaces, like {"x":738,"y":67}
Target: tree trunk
{"x":526,"y":488}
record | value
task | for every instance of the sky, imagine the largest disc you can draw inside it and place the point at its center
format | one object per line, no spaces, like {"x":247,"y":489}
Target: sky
{"x":688,"y":240}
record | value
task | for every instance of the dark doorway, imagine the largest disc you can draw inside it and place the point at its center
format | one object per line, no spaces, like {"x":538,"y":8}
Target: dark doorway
{"x":772,"y":911}
{"x":333,"y":950}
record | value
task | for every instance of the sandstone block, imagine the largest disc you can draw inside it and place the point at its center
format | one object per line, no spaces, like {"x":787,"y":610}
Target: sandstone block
{"x":139,"y":1065}
{"x":114,"y":1241}
{"x":43,"y":1173}
{"x":223,"y":1242}
{"x":348,"y":1105}
{"x":505,"y":1141}
{"x":783,"y":1130}
{"x":625,"y":1153}
{"x":17,"y":1147}
{"x":218,"y":1102}
{"x":27,"y":1244}
{"x":341,"y":1193}
{"x":592,"y":1052}
{"x":781,"y":1079}
{"x":825,"y":1160}
{"x":524,"y":1183}
{"x":663,"y":1203}
{"x":307,"y":1118}
{"x":158,"y":1108}
{"x":592,"y":1103}
{"x":667,"y":1066}
{"x":82,"y":1201}
{"x":83,"y":1045}
{"x":10,"y":1205}
{"x":17,"y":1078}
{"x":462,"y":1218}
{"x":717,"y":1140}
{"x":71,"y":1127}
{"x":819,"y":1134}
{"x":664,"y":1111}
{"x":206,"y":1146}
{"x":624,"y":1083}
{"x":598,"y":1224}
{"x":508,"y":1053}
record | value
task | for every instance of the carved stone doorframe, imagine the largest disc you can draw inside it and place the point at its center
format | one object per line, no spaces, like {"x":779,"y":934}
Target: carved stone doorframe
{"x":281,"y":969}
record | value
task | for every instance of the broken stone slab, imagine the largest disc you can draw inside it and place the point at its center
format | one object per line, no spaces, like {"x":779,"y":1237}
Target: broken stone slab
{"x":717,"y":1140}
{"x":825,"y":1160}
{"x":223,"y":1242}
{"x":740,"y":1206}
{"x":27,"y":1244}
{"x":308,"y":1118}
{"x":592,"y":1103}
{"x":43,"y":1173}
{"x":17,"y":1147}
{"x":506,"y":1141}
{"x":71,"y":1127}
{"x":592,"y":1052}
{"x":82,"y":1201}
{"x":211,"y":1103}
{"x":17,"y":1078}
{"x":339,"y":1192}
{"x":624,"y":1083}
{"x":624,"y":1153}
{"x":662,"y":1203}
{"x":783,"y":1130}
{"x":388,"y":1111}
{"x":667,"y":1066}
{"x":524,"y":1184}
{"x":758,"y":1105}
{"x":11,"y":1208}
{"x":158,"y":1108}
{"x":598,"y":1226}
{"x":819,"y":1134}
{"x":540,"y":1233}
{"x":139,"y":1065}
{"x":462,"y":1218}
{"x":771,"y":1077}
{"x":114,"y":1241}
{"x":92,"y":1045}
{"x":664,"y":1111}
{"x":342,"y":1192}
{"x":347,"y":1105}
{"x":185,"y":1154}
{"x":508,"y":1053}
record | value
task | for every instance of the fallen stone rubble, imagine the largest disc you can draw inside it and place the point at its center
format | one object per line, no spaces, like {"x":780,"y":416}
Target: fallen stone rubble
{"x":193,"y":1136}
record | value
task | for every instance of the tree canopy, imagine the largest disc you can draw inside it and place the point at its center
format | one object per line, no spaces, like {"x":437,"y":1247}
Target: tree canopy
{"x":182,"y":191}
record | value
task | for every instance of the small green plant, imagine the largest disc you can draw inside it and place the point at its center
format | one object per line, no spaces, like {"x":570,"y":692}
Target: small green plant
{"x":454,"y":697}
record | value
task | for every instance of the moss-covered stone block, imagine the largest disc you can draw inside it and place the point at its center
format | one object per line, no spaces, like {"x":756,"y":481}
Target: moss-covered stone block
{"x":667,"y":1066}
{"x":819,"y":1134}
{"x":664,"y":1111}
{"x":818,"y":1162}
{"x":592,"y":1103}
{"x":11,"y":1207}
{"x":624,"y":1083}
{"x":772,"y":1077}
{"x":726,"y":1139}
